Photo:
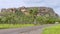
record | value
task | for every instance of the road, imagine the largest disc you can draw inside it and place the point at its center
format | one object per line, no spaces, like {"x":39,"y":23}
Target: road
{"x":26,"y":30}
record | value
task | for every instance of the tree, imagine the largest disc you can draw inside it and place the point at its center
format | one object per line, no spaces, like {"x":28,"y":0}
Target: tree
{"x":34,"y":12}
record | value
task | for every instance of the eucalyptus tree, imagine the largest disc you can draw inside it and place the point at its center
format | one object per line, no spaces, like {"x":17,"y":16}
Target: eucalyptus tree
{"x":33,"y":13}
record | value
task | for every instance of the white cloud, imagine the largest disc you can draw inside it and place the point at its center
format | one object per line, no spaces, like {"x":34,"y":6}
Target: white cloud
{"x":55,"y":4}
{"x":11,"y":3}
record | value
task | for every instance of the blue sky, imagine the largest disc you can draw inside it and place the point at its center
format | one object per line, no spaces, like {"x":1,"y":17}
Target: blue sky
{"x":55,"y":4}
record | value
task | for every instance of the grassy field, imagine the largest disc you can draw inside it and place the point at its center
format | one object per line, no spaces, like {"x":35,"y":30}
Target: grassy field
{"x":52,"y":30}
{"x":4,"y":26}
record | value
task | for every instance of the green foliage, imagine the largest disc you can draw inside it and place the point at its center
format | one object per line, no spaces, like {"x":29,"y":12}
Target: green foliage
{"x":33,"y":11}
{"x":5,"y":26}
{"x":16,"y":18}
{"x":21,"y":18}
{"x":47,"y":20}
{"x":52,"y":30}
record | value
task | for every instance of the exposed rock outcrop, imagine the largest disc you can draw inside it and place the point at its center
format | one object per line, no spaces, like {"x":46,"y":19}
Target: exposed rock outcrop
{"x":42,"y":11}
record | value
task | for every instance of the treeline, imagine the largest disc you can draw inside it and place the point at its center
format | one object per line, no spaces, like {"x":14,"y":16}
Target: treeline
{"x":21,"y":18}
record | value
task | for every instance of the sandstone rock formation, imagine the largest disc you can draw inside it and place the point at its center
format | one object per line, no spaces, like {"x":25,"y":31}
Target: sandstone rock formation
{"x":47,"y":11}
{"x":42,"y":11}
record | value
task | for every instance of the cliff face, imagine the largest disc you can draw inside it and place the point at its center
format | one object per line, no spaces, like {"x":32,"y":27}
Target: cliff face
{"x":42,"y":11}
{"x":47,"y":11}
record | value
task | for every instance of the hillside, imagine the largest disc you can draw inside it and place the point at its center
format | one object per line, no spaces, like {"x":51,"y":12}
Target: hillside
{"x":41,"y":11}
{"x":28,"y":15}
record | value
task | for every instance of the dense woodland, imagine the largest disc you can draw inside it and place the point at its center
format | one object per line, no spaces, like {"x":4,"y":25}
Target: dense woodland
{"x":21,"y":18}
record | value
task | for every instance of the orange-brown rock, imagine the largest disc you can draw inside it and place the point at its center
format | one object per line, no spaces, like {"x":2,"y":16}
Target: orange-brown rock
{"x":41,"y":10}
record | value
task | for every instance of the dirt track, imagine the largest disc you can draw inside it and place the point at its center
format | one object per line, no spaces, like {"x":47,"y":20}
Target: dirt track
{"x":27,"y":30}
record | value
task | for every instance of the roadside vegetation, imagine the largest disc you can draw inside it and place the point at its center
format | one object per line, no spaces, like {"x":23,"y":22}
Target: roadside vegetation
{"x":52,"y":30}
{"x":19,"y":19}
{"x":5,"y":26}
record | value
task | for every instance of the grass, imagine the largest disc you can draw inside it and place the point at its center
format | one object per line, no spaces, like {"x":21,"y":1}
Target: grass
{"x":5,"y":26}
{"x":52,"y":30}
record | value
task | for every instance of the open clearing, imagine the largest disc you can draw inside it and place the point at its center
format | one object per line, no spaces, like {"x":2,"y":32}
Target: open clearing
{"x":52,"y":30}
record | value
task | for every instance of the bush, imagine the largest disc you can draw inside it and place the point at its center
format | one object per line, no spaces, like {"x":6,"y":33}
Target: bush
{"x":21,"y":18}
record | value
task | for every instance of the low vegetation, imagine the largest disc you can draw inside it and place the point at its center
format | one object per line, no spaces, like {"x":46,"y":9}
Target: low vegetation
{"x":52,"y":30}
{"x":4,"y":26}
{"x":9,"y":19}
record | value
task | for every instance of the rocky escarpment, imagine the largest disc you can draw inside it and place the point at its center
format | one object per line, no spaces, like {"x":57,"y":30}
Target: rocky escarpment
{"x":42,"y":11}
